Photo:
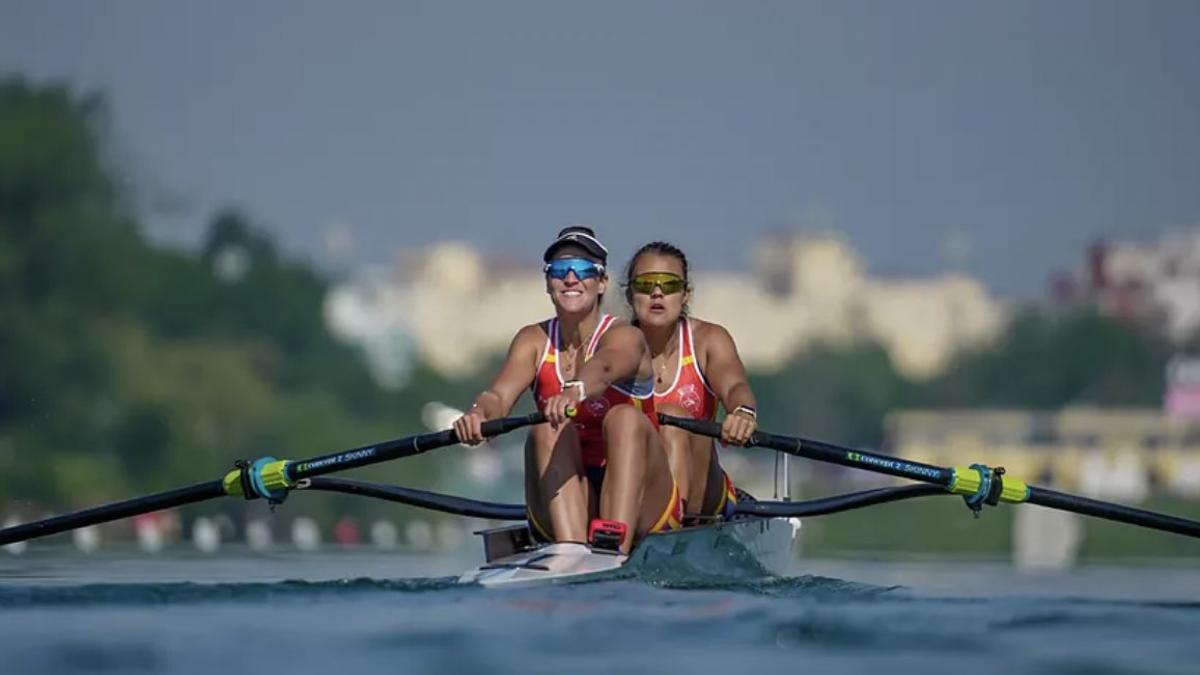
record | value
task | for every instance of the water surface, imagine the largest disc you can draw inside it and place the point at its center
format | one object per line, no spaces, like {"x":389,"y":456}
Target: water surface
{"x":369,"y":612}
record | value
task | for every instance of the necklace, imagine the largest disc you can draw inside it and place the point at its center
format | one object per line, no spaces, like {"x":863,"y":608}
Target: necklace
{"x":666,"y":358}
{"x":568,"y":357}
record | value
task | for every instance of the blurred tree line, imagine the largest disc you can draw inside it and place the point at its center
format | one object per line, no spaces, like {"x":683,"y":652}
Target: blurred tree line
{"x":1043,"y":361}
{"x":127,"y":367}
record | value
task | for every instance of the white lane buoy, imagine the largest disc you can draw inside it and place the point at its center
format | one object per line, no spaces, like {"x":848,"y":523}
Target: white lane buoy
{"x":86,"y":539}
{"x":384,"y":535}
{"x":206,"y":535}
{"x":258,"y":535}
{"x":306,"y":535}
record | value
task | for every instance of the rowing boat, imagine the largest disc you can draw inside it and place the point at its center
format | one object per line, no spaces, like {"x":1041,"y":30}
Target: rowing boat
{"x":745,"y":547}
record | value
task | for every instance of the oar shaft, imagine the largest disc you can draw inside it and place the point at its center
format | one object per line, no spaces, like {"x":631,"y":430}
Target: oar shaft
{"x":975,"y":482}
{"x":103,"y":514}
{"x":279,"y":474}
{"x":459,"y":506}
{"x":828,"y":453}
{"x":1110,"y":511}
{"x":400,"y":447}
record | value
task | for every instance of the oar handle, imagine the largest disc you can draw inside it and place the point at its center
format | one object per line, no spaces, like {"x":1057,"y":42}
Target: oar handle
{"x":699,"y":427}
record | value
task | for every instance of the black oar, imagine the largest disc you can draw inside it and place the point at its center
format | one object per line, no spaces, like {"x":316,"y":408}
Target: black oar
{"x":475,"y":508}
{"x":266,"y":478}
{"x":434,"y":501}
{"x":824,"y":506}
{"x":978,"y":484}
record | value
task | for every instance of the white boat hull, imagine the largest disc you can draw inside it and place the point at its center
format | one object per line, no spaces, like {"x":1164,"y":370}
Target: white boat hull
{"x":740,"y":549}
{"x":552,"y":563}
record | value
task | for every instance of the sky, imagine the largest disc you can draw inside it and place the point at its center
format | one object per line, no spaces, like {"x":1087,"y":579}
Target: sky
{"x":1021,"y":131}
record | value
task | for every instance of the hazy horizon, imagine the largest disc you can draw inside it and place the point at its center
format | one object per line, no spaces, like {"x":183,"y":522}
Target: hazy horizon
{"x":1017,"y":132}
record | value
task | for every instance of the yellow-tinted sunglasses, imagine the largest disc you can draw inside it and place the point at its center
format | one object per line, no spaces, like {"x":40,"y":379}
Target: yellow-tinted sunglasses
{"x":669,"y":283}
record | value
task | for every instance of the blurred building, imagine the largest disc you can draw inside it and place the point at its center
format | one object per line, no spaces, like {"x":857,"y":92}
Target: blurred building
{"x":445,"y":307}
{"x":451,"y":309}
{"x":1115,"y":453}
{"x":814,"y":289}
{"x":1154,"y":283}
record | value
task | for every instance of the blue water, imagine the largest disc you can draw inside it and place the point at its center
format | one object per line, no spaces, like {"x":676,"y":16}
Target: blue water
{"x":134,"y":615}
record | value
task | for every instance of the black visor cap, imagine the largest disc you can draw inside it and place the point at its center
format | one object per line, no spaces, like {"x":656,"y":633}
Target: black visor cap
{"x":580,"y":236}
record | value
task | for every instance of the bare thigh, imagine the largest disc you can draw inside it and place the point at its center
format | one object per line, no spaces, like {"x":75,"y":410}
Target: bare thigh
{"x":638,"y":485}
{"x":694,"y":464}
{"x":556,"y":490}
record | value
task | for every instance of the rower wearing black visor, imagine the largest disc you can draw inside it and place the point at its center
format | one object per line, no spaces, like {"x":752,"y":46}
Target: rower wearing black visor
{"x":598,"y":468}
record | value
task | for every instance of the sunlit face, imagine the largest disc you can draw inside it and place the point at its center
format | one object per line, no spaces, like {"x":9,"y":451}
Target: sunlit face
{"x":570,"y":295}
{"x":657,"y":308}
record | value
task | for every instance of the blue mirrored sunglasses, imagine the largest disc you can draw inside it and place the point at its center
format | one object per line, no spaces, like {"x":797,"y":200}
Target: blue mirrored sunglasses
{"x":582,"y":267}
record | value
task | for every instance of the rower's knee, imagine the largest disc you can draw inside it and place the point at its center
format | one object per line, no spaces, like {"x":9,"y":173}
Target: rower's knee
{"x":627,"y":435}
{"x":623,"y":419}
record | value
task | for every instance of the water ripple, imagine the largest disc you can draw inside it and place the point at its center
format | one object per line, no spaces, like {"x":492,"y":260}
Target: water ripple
{"x":188,"y":592}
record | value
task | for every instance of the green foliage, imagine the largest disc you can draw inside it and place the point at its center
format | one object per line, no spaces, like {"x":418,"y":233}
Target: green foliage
{"x":128,"y":367}
{"x":1046,"y":362}
{"x":1042,"y":361}
{"x":840,"y":394}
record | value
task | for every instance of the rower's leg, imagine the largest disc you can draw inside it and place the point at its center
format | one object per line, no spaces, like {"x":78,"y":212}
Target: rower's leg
{"x":689,"y":467}
{"x":555,"y":486}
{"x":707,"y":473}
{"x":638,"y":485}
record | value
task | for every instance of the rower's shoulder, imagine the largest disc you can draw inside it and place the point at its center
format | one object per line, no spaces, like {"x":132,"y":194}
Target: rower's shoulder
{"x":707,"y":332}
{"x":530,"y":339}
{"x":535,"y":332}
{"x":621,"y":327}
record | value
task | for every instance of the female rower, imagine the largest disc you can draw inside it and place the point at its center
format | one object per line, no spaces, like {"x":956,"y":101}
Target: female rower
{"x":695,"y":365}
{"x":597,"y":470}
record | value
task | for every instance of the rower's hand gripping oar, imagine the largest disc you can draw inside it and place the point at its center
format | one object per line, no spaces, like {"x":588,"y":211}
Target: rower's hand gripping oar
{"x":978,"y":484}
{"x":267,"y":478}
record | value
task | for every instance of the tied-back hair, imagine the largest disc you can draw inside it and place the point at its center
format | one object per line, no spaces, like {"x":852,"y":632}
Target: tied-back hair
{"x":663,"y":248}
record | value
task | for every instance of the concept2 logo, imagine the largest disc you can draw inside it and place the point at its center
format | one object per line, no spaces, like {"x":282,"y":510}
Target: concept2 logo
{"x":893,"y":465}
{"x":337,"y":459}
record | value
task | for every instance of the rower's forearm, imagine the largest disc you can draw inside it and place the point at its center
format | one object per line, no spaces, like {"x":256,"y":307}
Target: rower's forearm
{"x":739,"y":395}
{"x":490,"y":404}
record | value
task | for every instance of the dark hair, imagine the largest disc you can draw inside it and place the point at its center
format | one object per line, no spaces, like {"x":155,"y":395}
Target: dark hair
{"x":660,"y":248}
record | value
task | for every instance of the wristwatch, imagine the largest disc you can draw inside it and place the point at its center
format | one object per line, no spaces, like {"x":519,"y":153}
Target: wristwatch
{"x":577,"y":383}
{"x":749,"y":410}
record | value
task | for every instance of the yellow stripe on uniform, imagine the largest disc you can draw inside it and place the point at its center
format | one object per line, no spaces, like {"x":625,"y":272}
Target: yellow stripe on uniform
{"x":536,"y":525}
{"x":668,"y":516}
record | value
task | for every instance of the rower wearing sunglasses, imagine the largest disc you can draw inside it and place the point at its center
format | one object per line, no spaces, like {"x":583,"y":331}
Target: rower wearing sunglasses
{"x":696,"y":365}
{"x":597,"y":471}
